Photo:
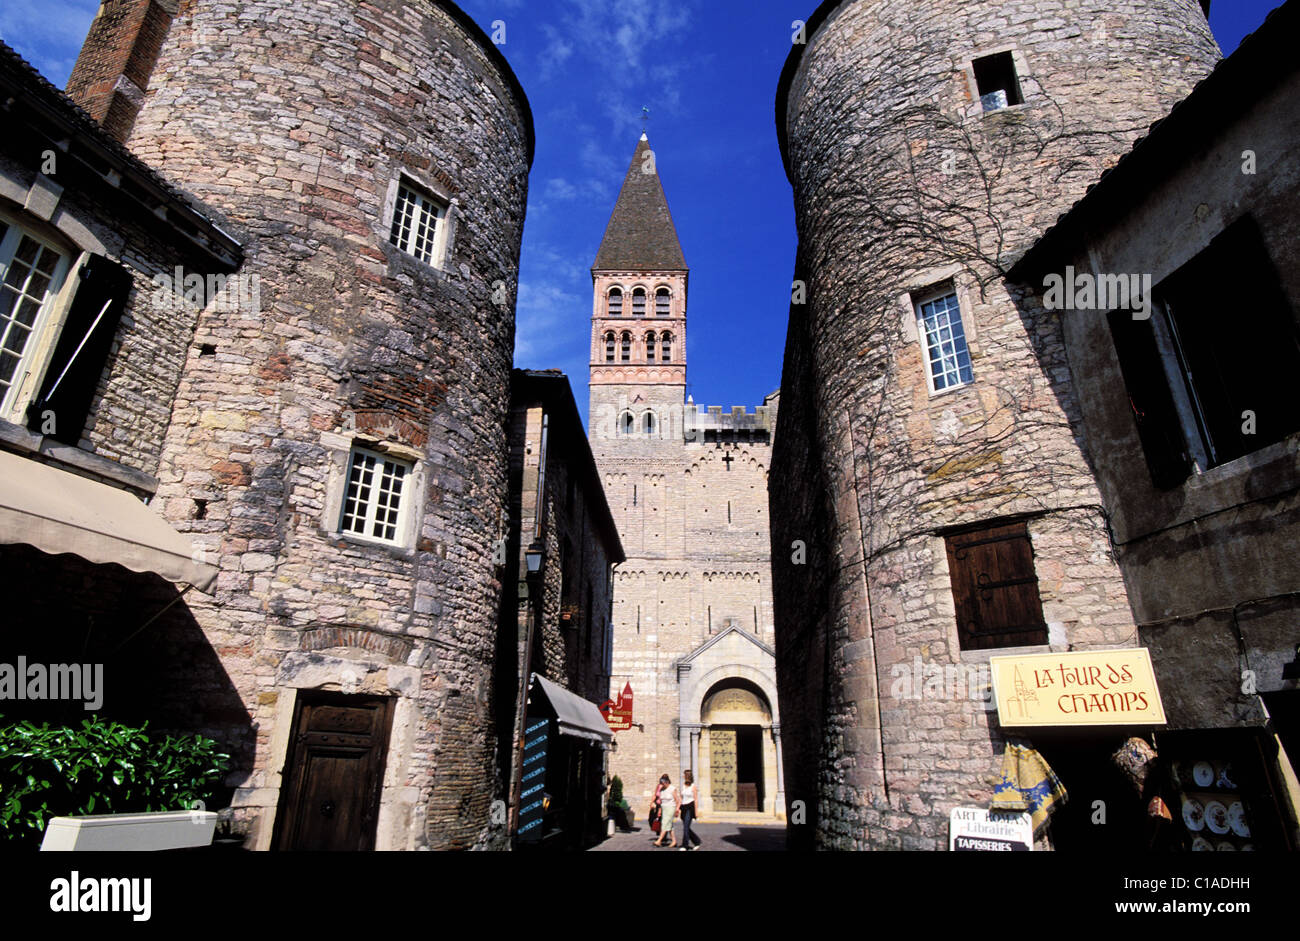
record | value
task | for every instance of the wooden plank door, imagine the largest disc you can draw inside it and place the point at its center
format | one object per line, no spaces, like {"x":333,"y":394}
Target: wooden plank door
{"x":334,"y":772}
{"x":722,"y":768}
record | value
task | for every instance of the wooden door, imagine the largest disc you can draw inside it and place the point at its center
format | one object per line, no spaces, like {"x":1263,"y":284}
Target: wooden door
{"x":334,"y":772}
{"x":722,"y":768}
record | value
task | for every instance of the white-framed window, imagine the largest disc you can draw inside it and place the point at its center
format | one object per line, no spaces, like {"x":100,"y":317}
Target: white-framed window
{"x":419,"y":223}
{"x":376,"y":499}
{"x":626,"y":424}
{"x":939,"y":326}
{"x":32,"y":273}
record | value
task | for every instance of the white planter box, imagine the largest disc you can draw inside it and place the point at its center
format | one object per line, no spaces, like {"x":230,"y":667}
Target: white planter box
{"x":168,"y":830}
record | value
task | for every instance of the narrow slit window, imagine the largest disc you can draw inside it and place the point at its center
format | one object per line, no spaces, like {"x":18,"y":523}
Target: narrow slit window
{"x":627,"y":348}
{"x":609,"y":347}
{"x":997,"y":82}
{"x":649,"y":347}
{"x":666,"y":339}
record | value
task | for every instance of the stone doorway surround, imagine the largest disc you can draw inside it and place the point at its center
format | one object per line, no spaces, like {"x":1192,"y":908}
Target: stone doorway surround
{"x":733,"y":658}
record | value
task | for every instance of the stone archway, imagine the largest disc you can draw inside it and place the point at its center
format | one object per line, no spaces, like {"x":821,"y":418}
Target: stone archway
{"x":735,"y":719}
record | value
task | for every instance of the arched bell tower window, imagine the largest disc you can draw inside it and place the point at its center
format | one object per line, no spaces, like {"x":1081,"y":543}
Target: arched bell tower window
{"x":609,"y":347}
{"x":615,"y":302}
{"x":649,"y":423}
{"x":627,"y":347}
{"x":626,"y":423}
{"x":663,"y":302}
{"x":638,"y":302}
{"x":666,"y":339}
{"x":650,"y":347}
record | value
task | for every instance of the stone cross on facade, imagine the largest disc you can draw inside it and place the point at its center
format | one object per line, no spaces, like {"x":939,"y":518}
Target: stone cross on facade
{"x":727,"y":459}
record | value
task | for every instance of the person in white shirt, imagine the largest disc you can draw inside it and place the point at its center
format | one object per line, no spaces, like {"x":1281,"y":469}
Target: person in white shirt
{"x":668,"y":811}
{"x":689,"y":802}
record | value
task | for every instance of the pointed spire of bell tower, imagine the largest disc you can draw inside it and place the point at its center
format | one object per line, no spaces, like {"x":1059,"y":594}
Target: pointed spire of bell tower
{"x":638,"y":324}
{"x":640,"y":234}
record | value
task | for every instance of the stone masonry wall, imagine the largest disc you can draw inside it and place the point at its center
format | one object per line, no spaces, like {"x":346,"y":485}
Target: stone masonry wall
{"x":888,"y":146}
{"x":292,"y":123}
{"x":691,"y":571}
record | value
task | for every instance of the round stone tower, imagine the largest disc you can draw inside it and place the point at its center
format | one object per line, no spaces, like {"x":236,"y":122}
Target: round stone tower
{"x":339,"y":439}
{"x":929,"y":460}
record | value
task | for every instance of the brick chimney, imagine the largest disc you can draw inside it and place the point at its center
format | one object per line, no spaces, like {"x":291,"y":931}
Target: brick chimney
{"x":117,"y":58}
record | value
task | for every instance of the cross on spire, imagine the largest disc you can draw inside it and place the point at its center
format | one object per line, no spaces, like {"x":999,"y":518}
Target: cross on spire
{"x":645,"y":120}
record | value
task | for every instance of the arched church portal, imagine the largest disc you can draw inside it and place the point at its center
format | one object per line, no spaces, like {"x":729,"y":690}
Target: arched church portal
{"x":736,"y":757}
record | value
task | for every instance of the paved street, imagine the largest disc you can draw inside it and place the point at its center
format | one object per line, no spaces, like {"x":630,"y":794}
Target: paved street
{"x":715,"y":836}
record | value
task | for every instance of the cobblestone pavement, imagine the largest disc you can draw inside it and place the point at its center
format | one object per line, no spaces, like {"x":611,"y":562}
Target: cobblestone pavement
{"x":713,"y":836}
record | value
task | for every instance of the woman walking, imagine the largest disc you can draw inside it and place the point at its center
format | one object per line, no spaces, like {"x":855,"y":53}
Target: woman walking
{"x":668,"y":801}
{"x":690,"y":797}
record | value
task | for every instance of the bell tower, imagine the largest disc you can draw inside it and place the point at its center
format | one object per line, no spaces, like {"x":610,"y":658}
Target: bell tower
{"x":638,"y":321}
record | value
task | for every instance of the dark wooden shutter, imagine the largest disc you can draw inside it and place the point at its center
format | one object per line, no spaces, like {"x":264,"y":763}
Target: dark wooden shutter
{"x":995,"y":587}
{"x":68,"y":394}
{"x":1150,"y":400}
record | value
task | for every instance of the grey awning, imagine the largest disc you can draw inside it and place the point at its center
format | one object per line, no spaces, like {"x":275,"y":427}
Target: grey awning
{"x":575,"y":716}
{"x":59,"y":512}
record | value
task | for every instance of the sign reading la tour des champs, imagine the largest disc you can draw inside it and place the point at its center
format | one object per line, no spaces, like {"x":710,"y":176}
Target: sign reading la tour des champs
{"x":1091,"y":687}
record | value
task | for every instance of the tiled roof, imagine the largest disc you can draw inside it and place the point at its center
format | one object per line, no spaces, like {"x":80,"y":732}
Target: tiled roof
{"x":640,"y":233}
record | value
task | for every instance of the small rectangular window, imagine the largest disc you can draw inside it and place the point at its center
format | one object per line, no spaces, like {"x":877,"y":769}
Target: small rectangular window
{"x":996,"y":80}
{"x":375,"y":499}
{"x":995,"y":587}
{"x":944,"y":339}
{"x":419,"y":222}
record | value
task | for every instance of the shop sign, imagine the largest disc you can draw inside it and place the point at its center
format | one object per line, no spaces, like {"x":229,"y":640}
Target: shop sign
{"x":618,"y":712}
{"x":1091,"y":687}
{"x":978,"y":829}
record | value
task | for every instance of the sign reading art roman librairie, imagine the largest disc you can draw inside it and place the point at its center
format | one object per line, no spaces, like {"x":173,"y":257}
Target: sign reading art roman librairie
{"x":1091,"y":687}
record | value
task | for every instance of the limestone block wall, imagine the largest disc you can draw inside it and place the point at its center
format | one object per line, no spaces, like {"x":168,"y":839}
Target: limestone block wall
{"x":293,"y":123}
{"x":695,"y":529}
{"x":887,"y":145}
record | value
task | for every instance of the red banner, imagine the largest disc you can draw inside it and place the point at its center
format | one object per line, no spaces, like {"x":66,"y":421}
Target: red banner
{"x":618,"y":712}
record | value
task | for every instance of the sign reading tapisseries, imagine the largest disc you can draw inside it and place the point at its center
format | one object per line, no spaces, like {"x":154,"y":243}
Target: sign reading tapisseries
{"x":1091,"y":687}
{"x":978,"y":829}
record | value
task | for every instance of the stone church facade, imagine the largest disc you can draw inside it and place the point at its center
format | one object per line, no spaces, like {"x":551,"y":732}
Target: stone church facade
{"x":693,"y":630}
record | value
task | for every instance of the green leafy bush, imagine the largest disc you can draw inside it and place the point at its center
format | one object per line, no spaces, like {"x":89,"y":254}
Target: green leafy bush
{"x":100,"y":768}
{"x":616,"y":790}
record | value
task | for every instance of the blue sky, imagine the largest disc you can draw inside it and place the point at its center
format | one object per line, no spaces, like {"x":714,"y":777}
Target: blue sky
{"x":707,"y":70}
